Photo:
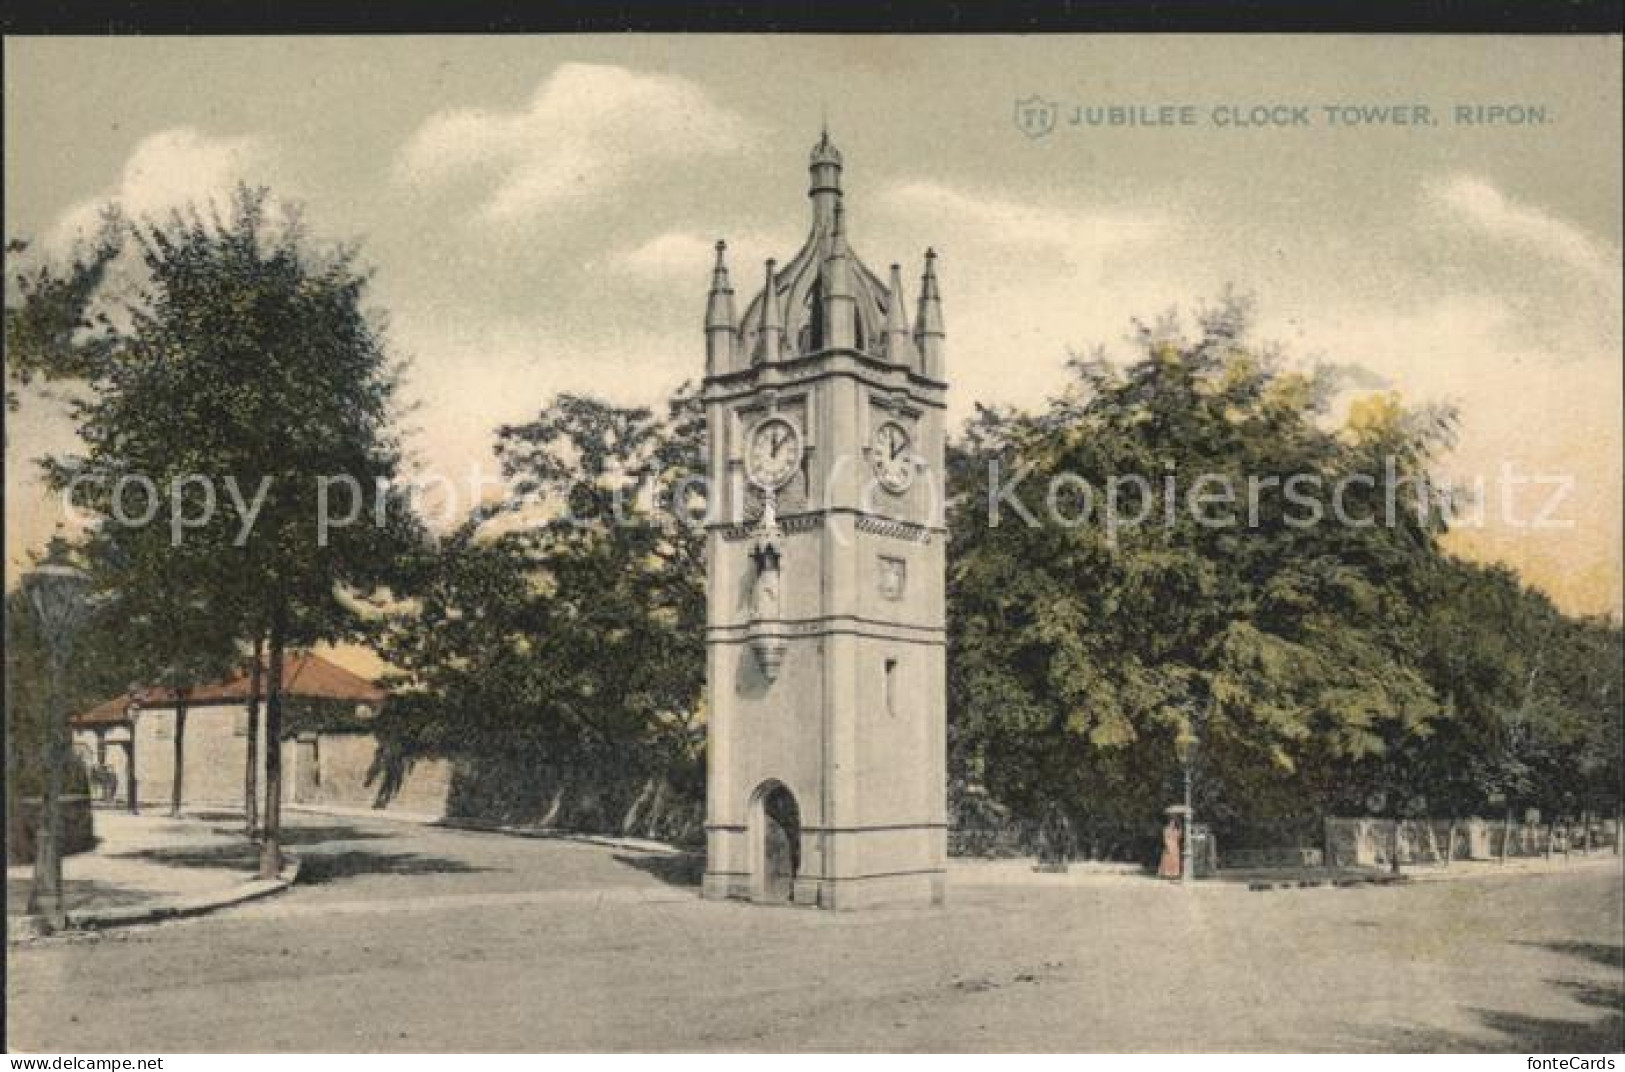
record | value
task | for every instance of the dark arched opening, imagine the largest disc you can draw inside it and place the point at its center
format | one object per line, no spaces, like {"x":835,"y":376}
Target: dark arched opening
{"x":778,"y":843}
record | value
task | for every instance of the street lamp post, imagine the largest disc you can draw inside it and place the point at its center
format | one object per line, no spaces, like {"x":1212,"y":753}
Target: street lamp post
{"x":1185,"y":745}
{"x":131,"y":782}
{"x":56,"y":594}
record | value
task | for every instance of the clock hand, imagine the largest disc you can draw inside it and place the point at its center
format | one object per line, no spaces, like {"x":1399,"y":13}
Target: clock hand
{"x":897,"y":448}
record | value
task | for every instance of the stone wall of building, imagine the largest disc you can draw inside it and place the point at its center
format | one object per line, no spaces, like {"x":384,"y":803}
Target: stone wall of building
{"x":344,"y":770}
{"x":350,"y":769}
{"x":582,"y":797}
{"x":215,"y":743}
{"x":317,"y":768}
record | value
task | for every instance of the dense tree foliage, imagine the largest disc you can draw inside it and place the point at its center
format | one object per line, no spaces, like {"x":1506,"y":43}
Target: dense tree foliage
{"x":249,"y":397}
{"x":564,"y":624}
{"x":1322,"y":662}
{"x":1536,"y":696}
{"x":55,"y":326}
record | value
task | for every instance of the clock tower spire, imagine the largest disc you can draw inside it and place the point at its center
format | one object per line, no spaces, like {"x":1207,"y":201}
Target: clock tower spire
{"x":825,"y":636}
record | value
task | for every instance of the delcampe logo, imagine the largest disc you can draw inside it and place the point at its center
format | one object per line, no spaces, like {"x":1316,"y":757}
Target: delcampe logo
{"x":1035,"y":116}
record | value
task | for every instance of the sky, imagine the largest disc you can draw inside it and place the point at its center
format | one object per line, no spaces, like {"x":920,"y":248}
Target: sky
{"x":540,"y":213}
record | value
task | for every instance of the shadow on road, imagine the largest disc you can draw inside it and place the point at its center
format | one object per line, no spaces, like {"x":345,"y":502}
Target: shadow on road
{"x":685,"y":869}
{"x":315,"y":835}
{"x":243,"y":854}
{"x":1515,"y":1032}
{"x":77,"y":894}
{"x":296,"y":833}
{"x":1608,"y":956}
{"x":318,"y":865}
{"x":319,"y":868}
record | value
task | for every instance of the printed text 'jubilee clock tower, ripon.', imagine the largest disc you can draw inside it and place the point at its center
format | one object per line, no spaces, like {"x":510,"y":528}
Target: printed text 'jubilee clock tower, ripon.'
{"x":825,"y":635}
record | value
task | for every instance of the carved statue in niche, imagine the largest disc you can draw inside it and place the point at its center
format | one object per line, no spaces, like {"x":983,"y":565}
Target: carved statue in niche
{"x":766,"y":600}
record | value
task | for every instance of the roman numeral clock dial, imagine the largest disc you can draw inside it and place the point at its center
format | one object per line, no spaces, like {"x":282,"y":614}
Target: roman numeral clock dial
{"x":891,"y":453}
{"x":773,"y":453}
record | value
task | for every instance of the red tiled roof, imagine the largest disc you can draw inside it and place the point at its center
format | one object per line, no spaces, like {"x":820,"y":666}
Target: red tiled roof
{"x":109,"y":713}
{"x":304,"y":675}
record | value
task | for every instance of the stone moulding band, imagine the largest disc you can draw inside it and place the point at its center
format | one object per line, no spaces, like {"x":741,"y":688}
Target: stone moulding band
{"x":877,"y":828}
{"x":790,"y":524}
{"x":841,"y":878}
{"x":793,"y":373}
{"x":897,"y":530}
{"x":881,"y":874}
{"x":867,"y":634}
{"x":796,"y":626}
{"x":820,"y":627}
{"x":882,"y":828}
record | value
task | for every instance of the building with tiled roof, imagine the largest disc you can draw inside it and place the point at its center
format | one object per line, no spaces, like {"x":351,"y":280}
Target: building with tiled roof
{"x":305,"y":675}
{"x":138,"y":740}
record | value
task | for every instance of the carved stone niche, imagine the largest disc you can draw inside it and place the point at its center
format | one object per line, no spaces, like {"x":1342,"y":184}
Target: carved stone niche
{"x":892,"y":577}
{"x":766,"y":641}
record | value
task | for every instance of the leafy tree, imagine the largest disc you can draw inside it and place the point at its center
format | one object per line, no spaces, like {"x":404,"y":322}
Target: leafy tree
{"x":1537,"y":695}
{"x":1081,"y":650}
{"x":1591,"y":674}
{"x":254,"y":391}
{"x":54,"y":329}
{"x":565,"y":623}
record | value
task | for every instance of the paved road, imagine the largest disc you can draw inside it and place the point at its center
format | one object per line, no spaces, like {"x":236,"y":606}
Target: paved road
{"x":424,"y":939}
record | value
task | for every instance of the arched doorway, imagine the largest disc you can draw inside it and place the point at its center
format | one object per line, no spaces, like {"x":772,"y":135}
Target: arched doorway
{"x":775,"y":833}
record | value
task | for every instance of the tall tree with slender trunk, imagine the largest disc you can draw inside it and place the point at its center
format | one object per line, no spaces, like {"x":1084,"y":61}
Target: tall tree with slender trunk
{"x":251,"y":763}
{"x":177,"y":781}
{"x":252,"y":387}
{"x":270,"y":847}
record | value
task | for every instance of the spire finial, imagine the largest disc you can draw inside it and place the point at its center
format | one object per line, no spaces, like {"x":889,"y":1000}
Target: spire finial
{"x":899,"y":344}
{"x":928,"y":333}
{"x":770,"y":329}
{"x":824,"y":152}
{"x":824,"y":168}
{"x":719,"y":270}
{"x":719,"y":317}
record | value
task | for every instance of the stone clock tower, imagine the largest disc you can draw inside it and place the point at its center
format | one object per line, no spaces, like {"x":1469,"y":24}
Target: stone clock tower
{"x":825,"y":638}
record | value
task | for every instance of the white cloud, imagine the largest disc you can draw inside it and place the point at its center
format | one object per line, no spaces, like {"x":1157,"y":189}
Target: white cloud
{"x":1487,"y":208}
{"x":468,"y":375}
{"x":587,"y":129}
{"x":674,"y":253}
{"x":168,"y":170}
{"x":1023,"y":282}
{"x":674,"y":256}
{"x":1077,"y":235}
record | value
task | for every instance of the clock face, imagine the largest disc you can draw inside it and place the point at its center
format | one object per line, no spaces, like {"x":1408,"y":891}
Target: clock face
{"x":774,"y":453}
{"x":892,"y":455}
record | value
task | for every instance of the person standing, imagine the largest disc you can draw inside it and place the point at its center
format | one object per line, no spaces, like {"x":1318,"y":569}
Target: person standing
{"x":1170,"y":865}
